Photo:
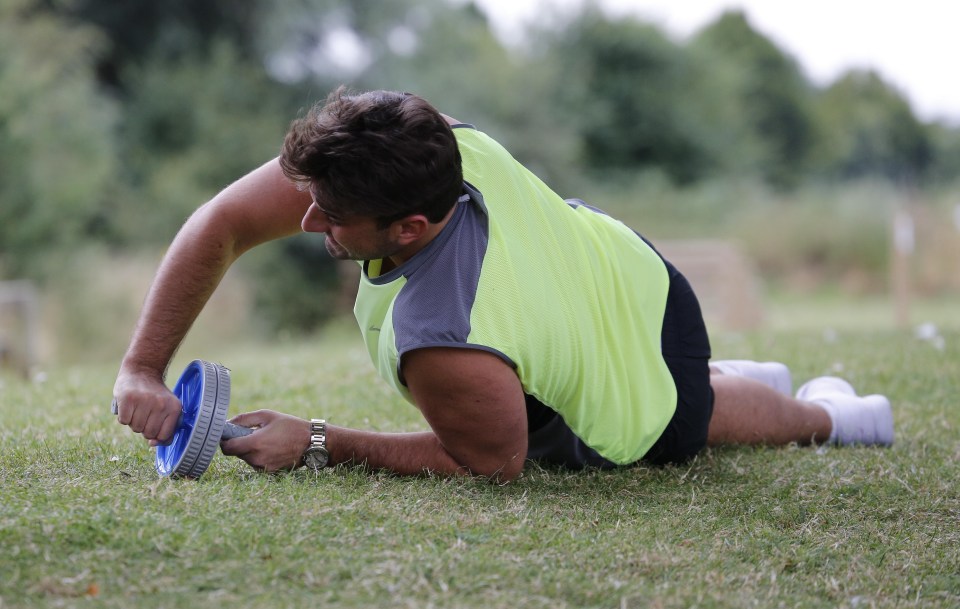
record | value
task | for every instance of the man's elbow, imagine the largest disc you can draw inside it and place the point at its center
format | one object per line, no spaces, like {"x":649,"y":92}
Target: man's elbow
{"x":502,"y":471}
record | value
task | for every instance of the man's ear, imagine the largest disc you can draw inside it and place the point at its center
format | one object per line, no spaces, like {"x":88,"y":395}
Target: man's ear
{"x":410,"y":229}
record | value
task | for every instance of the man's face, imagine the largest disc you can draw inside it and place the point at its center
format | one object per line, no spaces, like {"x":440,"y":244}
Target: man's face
{"x":350,"y":238}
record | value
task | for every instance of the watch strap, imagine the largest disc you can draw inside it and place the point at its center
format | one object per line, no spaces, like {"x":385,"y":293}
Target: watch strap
{"x":318,"y":433}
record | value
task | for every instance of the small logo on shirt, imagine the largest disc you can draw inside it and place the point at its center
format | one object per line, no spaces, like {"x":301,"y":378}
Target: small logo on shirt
{"x":373,"y":329}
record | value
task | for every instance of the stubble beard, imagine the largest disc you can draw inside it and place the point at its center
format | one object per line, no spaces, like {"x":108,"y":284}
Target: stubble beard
{"x":383,"y":248}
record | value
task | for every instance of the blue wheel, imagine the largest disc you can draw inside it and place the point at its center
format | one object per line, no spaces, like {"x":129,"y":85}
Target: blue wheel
{"x":204,"y":392}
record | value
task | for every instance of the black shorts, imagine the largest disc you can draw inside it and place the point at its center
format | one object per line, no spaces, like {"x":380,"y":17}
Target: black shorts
{"x":686,"y":351}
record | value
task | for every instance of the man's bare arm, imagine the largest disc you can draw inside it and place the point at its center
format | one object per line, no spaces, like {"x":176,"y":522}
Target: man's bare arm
{"x":261,"y":206}
{"x":472,"y":400}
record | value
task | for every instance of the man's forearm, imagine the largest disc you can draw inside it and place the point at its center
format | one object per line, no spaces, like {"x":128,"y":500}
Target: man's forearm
{"x":190,"y":272}
{"x":281,"y":439}
{"x":402,"y":453}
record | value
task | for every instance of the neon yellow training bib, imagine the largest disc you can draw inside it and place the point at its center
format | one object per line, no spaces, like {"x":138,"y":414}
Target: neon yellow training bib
{"x":570,"y":297}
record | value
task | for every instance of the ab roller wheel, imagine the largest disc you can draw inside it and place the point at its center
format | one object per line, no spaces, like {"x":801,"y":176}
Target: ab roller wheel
{"x":204,"y":391}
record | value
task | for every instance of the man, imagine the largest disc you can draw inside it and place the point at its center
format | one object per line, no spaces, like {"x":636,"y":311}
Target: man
{"x":521,"y":325}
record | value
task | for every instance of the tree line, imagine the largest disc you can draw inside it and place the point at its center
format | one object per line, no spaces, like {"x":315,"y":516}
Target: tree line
{"x":118,"y":118}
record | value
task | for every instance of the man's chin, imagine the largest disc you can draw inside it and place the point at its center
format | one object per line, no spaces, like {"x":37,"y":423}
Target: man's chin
{"x":336,"y":250}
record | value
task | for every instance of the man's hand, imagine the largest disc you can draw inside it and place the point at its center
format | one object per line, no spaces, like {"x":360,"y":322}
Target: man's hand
{"x":147,"y":406}
{"x":277,"y":444}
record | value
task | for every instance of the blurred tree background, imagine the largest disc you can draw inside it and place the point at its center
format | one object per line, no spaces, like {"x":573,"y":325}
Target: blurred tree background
{"x":117,"y":119}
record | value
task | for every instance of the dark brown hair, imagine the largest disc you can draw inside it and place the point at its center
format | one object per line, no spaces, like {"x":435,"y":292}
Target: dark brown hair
{"x":380,"y":154}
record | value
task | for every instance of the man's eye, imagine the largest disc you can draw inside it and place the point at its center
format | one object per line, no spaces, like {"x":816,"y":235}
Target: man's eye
{"x":331,"y":219}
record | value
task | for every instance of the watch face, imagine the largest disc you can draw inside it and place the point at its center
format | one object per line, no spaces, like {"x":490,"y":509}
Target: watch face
{"x":316,"y":458}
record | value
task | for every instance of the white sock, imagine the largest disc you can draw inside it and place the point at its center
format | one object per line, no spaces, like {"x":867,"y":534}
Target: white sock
{"x":866,"y":420}
{"x":772,"y":374}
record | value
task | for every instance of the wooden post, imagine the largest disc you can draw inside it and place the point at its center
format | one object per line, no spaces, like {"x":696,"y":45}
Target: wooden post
{"x":903,"y":243}
{"x":19,"y":325}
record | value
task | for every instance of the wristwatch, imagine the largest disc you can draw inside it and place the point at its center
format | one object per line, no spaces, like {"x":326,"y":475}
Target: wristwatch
{"x":316,"y":456}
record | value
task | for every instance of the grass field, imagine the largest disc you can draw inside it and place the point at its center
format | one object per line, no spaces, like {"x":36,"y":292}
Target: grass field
{"x":85,"y":521}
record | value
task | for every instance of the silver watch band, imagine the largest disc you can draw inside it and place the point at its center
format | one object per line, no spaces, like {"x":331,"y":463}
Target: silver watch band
{"x":318,"y":433}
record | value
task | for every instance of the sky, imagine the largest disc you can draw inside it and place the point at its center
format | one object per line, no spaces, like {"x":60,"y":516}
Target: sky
{"x":914,"y":45}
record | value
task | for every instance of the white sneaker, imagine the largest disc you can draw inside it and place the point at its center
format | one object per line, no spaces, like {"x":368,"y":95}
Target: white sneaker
{"x":866,"y":420}
{"x":824,"y":385}
{"x":772,"y":374}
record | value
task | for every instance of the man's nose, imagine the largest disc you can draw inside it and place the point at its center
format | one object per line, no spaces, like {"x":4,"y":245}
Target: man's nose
{"x":314,"y":221}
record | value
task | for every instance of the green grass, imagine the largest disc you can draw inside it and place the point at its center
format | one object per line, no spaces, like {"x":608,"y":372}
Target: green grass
{"x":85,"y":521}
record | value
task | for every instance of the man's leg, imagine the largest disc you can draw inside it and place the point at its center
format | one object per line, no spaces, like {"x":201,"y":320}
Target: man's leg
{"x":772,"y":374}
{"x":749,"y":412}
{"x":746,"y":411}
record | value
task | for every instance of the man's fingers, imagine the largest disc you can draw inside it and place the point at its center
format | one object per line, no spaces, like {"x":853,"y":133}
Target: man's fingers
{"x":241,"y":445}
{"x":168,"y":426}
{"x":272,"y":447}
{"x":124,"y":413}
{"x":235,"y":447}
{"x":257,"y":418}
{"x":155,"y":421}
